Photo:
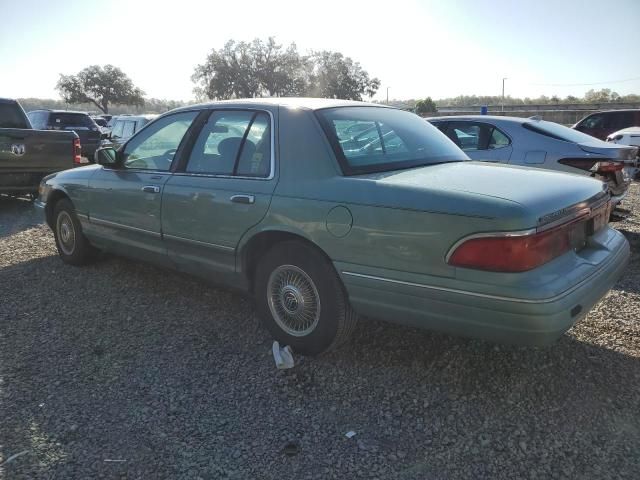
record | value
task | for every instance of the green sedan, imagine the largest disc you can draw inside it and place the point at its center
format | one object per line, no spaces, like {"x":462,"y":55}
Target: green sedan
{"x":327,"y":211}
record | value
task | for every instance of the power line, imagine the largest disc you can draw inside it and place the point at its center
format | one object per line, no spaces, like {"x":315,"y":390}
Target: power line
{"x":583,"y":84}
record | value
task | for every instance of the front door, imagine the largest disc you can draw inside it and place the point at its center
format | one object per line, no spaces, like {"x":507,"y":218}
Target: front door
{"x":223,"y":189}
{"x":125,"y":202}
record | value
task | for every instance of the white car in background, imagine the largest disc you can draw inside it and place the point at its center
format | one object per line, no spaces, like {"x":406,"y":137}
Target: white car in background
{"x":532,"y":142}
{"x":628,"y":136}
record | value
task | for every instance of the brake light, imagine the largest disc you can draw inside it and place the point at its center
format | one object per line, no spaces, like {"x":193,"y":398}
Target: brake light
{"x":518,"y":253}
{"x":592,"y":165}
{"x":609,"y":167}
{"x":77,"y":153}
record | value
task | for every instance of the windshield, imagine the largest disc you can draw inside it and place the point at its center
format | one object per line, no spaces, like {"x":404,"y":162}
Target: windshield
{"x":559,"y":132}
{"x":371,"y":139}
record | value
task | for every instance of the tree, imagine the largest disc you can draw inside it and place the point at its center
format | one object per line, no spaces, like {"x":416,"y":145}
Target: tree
{"x":265,"y":68}
{"x":426,"y":106}
{"x":100,"y":86}
{"x":603,"y":95}
{"x":337,"y":76}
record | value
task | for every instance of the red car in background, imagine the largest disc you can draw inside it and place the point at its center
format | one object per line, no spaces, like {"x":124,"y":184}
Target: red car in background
{"x":601,"y":124}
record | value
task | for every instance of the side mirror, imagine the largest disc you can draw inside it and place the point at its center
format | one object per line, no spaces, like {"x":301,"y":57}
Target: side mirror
{"x":106,"y":156}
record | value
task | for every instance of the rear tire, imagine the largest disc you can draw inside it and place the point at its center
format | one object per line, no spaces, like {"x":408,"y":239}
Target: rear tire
{"x":301,"y":299}
{"x":73,"y":246}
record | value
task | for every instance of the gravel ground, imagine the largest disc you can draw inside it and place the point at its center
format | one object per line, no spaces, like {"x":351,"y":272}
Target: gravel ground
{"x":123,"y":370}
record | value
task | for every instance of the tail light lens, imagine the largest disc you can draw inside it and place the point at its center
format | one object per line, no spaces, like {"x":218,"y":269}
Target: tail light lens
{"x":77,"y":153}
{"x":519,"y":253}
{"x":592,"y":165}
{"x":609,"y":167}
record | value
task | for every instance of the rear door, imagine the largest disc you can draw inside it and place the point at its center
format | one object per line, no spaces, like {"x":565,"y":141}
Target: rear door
{"x":481,"y":141}
{"x":223,"y":188}
{"x":125,"y":202}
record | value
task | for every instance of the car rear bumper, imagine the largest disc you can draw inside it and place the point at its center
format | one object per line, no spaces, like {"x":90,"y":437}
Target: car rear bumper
{"x":525,"y":321}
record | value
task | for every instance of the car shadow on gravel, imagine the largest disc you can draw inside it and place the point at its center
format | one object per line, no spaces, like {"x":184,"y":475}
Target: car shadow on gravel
{"x":171,"y":377}
{"x":16,"y":215}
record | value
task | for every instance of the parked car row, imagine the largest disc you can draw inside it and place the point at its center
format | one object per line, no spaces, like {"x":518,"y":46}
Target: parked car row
{"x":328,"y":210}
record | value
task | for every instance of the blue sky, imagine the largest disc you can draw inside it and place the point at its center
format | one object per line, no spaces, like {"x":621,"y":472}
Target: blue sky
{"x":417,"y":49}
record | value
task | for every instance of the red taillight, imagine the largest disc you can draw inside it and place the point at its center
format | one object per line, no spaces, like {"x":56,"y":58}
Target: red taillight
{"x":609,"y":167}
{"x":592,"y":165}
{"x":77,"y":152}
{"x":518,"y":253}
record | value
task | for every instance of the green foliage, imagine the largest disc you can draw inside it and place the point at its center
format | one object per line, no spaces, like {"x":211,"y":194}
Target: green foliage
{"x":425,"y":107}
{"x":247,"y":70}
{"x":100,"y":86}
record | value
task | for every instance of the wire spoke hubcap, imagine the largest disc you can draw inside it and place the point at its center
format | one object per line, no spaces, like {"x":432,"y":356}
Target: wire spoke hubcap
{"x":66,"y":233}
{"x":293,"y":300}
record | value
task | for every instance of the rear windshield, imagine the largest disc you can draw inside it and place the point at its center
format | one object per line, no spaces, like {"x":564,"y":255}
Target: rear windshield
{"x":374,"y":139}
{"x":63,"y":120}
{"x":11,"y":116}
{"x":559,"y":132}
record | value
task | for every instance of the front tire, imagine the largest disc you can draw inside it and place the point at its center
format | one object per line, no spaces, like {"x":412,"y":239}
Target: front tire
{"x":301,"y":300}
{"x":73,"y":246}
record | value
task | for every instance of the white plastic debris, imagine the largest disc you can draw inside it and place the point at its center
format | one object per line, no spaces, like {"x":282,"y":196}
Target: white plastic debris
{"x":282,"y":356}
{"x":14,"y":456}
{"x":350,"y":434}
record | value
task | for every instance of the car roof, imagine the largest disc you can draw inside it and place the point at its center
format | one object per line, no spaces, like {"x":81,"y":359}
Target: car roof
{"x":492,"y":118}
{"x":291,"y":102}
{"x":146,"y":116}
{"x":615,"y":110}
{"x":50,"y":110}
{"x":627,"y":130}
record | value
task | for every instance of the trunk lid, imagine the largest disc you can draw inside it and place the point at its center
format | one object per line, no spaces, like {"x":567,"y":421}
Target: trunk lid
{"x":612,"y":151}
{"x":480,"y":188}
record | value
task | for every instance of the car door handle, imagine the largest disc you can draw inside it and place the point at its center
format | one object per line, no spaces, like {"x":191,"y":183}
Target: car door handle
{"x":151,"y":189}
{"x":246,"y":199}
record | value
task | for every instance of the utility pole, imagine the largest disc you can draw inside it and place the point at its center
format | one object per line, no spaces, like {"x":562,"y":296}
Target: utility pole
{"x":387,"y":95}
{"x":505,"y":78}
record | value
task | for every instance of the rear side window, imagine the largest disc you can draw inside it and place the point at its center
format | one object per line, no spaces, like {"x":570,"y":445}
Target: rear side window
{"x":470,"y":136}
{"x":118,"y":127}
{"x":620,"y":120}
{"x":559,"y":132}
{"x":373,"y":139}
{"x":233,"y":142}
{"x":128,"y":129}
{"x":12,"y":116}
{"x":60,"y":121}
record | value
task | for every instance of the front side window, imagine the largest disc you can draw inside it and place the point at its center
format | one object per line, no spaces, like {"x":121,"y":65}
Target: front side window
{"x":594,"y":121}
{"x":155,"y":148}
{"x":370,"y":139}
{"x":233,"y":142}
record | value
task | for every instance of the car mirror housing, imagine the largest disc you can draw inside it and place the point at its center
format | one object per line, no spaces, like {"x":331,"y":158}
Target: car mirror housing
{"x":106,"y":156}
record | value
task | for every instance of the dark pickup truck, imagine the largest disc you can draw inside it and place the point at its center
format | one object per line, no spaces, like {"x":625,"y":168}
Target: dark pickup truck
{"x":28,"y":155}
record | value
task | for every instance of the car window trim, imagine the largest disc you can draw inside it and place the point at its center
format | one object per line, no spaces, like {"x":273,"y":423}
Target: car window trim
{"x":180,"y":169}
{"x":234,"y":172}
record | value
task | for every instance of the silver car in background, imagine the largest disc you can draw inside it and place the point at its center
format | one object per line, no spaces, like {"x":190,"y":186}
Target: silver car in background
{"x":532,"y":142}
